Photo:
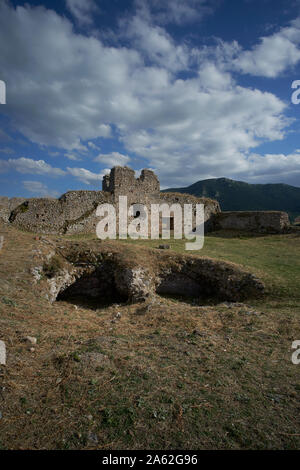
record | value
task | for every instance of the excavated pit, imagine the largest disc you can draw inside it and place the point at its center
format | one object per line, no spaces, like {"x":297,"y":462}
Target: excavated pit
{"x":93,"y":277}
{"x":93,"y":290}
{"x":181,"y":287}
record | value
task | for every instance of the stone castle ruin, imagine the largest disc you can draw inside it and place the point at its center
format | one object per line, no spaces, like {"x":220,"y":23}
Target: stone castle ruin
{"x":75,"y":211}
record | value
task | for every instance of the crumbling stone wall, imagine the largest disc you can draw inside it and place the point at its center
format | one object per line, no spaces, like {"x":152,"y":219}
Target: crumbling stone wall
{"x":253,"y":221}
{"x":146,"y":190}
{"x":122,"y":182}
{"x":75,"y":211}
{"x":7,"y":205}
{"x":211,"y":207}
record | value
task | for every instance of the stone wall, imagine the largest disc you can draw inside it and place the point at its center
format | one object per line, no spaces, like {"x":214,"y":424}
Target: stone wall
{"x":75,"y":211}
{"x":122,"y":182}
{"x":253,"y":221}
{"x":211,"y":207}
{"x":7,"y":205}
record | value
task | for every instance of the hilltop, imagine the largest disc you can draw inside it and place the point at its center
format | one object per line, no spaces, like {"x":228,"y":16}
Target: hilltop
{"x":240,"y":196}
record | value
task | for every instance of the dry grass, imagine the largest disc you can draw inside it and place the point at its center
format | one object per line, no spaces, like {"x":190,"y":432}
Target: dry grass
{"x":174,"y":376}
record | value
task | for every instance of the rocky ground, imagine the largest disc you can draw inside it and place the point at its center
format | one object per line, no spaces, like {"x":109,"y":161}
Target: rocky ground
{"x":131,"y":365}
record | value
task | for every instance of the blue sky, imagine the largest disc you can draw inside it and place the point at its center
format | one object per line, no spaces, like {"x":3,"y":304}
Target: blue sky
{"x":193,"y":89}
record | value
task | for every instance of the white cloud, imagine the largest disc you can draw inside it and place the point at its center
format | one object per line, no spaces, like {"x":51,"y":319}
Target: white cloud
{"x":86,"y":176}
{"x":73,"y":157}
{"x":207,"y":133}
{"x":273,"y":165}
{"x":273,"y":54}
{"x":156,"y":44}
{"x":39,"y":189}
{"x":82,"y":10}
{"x":93,"y":146}
{"x":269,"y":57}
{"x":112,"y":159}
{"x":28,"y":165}
{"x":187,"y":128}
{"x":175,"y":11}
{"x":213,"y":77}
{"x":80,"y":82}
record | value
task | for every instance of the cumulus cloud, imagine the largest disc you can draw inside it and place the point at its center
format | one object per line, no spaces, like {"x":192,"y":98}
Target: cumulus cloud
{"x":273,"y":54}
{"x":87,"y":176}
{"x":82,"y":10}
{"x":28,"y":165}
{"x":205,"y":125}
{"x":208,"y":134}
{"x":269,"y":57}
{"x":113,"y":159}
{"x":40,"y":167}
{"x":40,"y":189}
{"x":75,"y":78}
{"x":273,"y":166}
{"x":156,"y":44}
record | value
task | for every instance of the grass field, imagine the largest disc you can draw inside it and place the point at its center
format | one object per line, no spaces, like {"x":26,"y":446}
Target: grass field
{"x":173,"y":376}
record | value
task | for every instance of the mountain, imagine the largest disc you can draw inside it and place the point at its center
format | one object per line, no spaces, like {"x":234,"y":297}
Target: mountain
{"x":240,"y":196}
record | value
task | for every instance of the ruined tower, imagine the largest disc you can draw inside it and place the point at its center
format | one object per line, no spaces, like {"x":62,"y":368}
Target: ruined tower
{"x":122,"y":182}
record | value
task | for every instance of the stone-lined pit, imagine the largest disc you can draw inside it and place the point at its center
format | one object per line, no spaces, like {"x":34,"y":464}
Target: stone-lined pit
{"x":207,"y":280}
{"x":97,"y":288}
{"x":106,"y":273}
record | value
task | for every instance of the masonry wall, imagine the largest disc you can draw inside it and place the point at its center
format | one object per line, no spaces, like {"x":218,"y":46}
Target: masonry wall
{"x":7,"y":205}
{"x":211,"y":207}
{"x":75,"y":211}
{"x":122,"y":182}
{"x":253,"y":221}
